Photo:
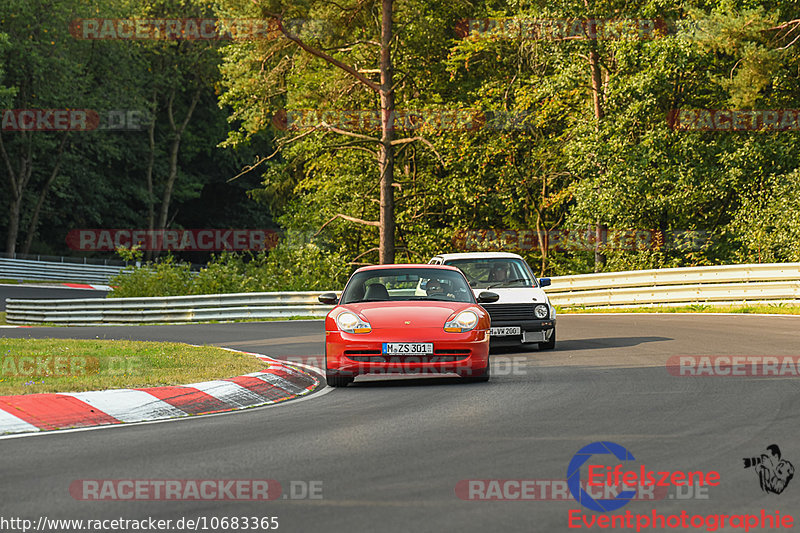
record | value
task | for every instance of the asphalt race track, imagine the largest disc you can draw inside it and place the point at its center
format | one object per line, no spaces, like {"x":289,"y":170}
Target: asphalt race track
{"x":30,"y":291}
{"x":389,"y":454}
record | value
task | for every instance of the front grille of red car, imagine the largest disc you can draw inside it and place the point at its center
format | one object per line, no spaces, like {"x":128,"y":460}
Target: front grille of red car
{"x":366,"y":352}
{"x":452,"y":352}
{"x":403,"y":358}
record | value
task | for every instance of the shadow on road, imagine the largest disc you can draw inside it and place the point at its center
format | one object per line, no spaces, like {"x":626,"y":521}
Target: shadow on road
{"x":387,"y":381}
{"x":601,"y":343}
{"x":606,"y":342}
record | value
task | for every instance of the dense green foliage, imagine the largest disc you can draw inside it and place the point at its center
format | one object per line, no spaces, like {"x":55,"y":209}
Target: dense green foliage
{"x":301,"y":267}
{"x":541,"y":157}
{"x":547,"y":161}
{"x":101,"y":178}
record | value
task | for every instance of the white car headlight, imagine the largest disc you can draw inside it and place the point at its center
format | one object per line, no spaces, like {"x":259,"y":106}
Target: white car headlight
{"x":541,"y":311}
{"x":352,"y":323}
{"x":463,"y":321}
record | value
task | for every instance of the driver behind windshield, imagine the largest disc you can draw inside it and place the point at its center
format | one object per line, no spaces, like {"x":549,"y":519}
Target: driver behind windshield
{"x":499,"y":272}
{"x":435,"y":289}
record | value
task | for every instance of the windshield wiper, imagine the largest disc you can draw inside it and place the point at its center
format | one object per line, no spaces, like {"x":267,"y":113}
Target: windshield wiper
{"x":507,"y":281}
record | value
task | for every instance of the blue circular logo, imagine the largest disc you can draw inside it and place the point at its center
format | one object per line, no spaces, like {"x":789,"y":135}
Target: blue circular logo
{"x":574,"y":476}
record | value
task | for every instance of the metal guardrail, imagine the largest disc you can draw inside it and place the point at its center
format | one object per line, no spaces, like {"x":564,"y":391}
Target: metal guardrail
{"x":24,"y":269}
{"x":681,"y":276}
{"x":204,"y":308}
{"x":67,"y":259}
{"x":725,"y":284}
{"x":718,"y":284}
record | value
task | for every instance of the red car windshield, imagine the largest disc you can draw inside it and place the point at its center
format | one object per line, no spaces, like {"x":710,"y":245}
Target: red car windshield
{"x":406,"y":284}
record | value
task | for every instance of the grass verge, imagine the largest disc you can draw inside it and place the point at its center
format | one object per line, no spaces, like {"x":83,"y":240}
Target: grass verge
{"x":277,"y":319}
{"x":57,"y":365}
{"x":766,"y":309}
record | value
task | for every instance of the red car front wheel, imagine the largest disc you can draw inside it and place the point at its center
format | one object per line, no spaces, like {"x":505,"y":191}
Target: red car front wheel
{"x":333,"y":377}
{"x":337,"y":381}
{"x":477,"y":377}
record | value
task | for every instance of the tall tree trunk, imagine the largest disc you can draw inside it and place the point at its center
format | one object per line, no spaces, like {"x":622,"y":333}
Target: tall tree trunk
{"x":34,"y":223}
{"x":601,"y":229}
{"x":13,"y":224}
{"x":597,"y":83}
{"x":17,"y":182}
{"x":166,"y":198}
{"x":151,"y":198}
{"x":387,"y":141}
{"x":542,"y":237}
{"x":386,"y":250}
{"x":177,"y":134}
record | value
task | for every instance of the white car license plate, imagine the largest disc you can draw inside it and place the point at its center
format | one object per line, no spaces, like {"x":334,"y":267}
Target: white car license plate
{"x":504,"y":332}
{"x":407,"y":348}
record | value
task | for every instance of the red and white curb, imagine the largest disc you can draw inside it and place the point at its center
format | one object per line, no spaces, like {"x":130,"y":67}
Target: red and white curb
{"x":88,"y":286}
{"x":281,"y":381}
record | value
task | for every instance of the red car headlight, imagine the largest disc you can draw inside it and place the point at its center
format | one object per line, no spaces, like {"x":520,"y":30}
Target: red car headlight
{"x":463,"y":321}
{"x":352,"y":323}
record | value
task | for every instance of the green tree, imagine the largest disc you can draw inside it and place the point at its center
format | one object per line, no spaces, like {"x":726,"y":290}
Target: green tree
{"x":337,"y":66}
{"x":45,"y":69}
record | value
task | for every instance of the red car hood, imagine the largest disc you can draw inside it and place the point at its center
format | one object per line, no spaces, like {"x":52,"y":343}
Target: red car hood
{"x":420,"y":314}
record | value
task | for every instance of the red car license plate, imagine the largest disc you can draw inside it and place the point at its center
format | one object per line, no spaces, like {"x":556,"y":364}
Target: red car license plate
{"x":407,"y":348}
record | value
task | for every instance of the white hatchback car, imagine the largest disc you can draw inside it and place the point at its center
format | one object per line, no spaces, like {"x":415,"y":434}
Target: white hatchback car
{"x":523,"y":314}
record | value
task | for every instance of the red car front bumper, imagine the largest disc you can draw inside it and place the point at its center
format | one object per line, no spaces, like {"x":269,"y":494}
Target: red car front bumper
{"x":350,"y":354}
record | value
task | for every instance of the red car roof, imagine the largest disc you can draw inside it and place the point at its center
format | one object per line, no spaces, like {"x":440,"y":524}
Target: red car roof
{"x":408,"y":265}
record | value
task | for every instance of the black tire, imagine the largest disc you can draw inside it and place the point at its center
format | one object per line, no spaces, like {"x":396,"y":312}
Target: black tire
{"x":335,"y":380}
{"x":479,"y":378}
{"x":549,"y":345}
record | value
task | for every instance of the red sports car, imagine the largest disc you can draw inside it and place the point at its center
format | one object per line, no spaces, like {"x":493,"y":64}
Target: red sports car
{"x":411,"y":319}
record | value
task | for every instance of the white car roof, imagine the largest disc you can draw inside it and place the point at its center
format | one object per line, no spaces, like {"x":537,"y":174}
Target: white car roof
{"x":478,"y":255}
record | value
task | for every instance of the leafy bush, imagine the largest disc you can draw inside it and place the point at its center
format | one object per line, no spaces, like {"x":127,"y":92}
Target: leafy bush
{"x":166,"y":278}
{"x":291,"y":266}
{"x":766,"y":224}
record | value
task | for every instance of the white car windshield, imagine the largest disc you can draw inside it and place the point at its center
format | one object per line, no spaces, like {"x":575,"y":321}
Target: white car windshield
{"x":488,"y":273}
